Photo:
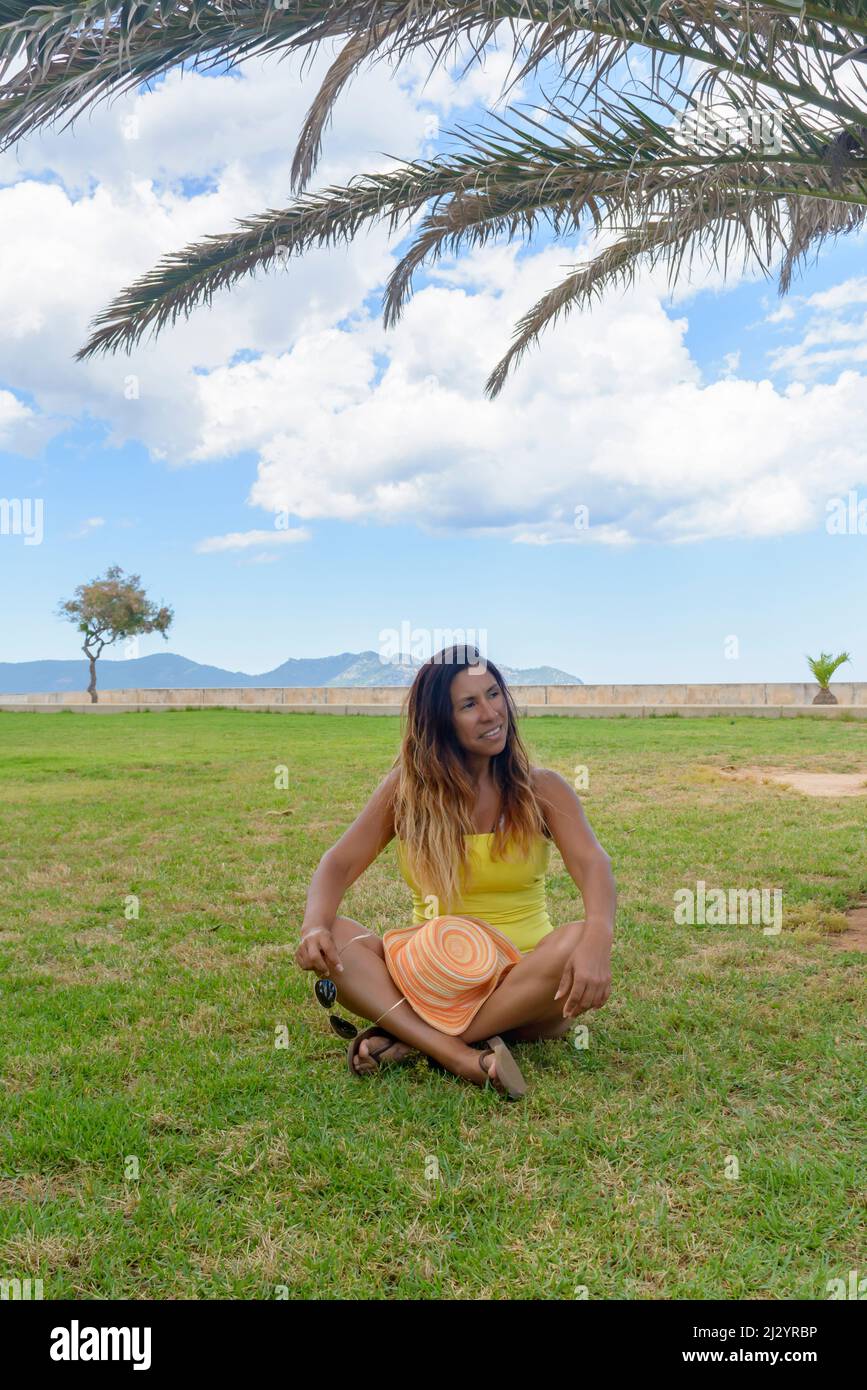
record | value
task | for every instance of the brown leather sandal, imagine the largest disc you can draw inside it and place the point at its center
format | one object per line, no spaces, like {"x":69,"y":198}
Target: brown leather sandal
{"x":374,"y":1032}
{"x":509,"y":1080}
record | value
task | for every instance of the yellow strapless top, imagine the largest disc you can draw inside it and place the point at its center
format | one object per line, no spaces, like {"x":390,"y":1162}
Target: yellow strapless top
{"x":507,"y":893}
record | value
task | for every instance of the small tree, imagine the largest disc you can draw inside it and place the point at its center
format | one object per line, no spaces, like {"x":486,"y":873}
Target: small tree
{"x":110,"y":608}
{"x":823,"y":667}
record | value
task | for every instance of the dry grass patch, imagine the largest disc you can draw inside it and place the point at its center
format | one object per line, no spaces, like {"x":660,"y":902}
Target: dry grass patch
{"x":226,"y":1143}
{"x":834,"y":784}
{"x":203,"y":1023}
{"x":44,"y":916}
{"x":41,"y":1255}
{"x":722,"y":952}
{"x":39,"y":1187}
{"x":815,"y":918}
{"x":276,"y":1257}
{"x":100,"y":936}
{"x":271,"y":950}
{"x":259,"y":893}
{"x":194,"y":953}
{"x":854,"y":936}
{"x":47,"y":877}
{"x":79,"y":972}
{"x":162,"y":1122}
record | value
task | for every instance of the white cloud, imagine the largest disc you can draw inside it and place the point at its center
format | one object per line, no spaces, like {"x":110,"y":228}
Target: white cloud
{"x":209,"y":150}
{"x":610,"y":412}
{"x":91,"y":524}
{"x":784,"y":314}
{"x":351,"y":423}
{"x":22,"y":430}
{"x":243,"y":540}
{"x":834,"y":336}
{"x":840,"y":296}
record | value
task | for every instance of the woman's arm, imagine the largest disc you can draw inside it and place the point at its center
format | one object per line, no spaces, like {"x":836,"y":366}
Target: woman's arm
{"x":586,"y":861}
{"x":587,"y":978}
{"x":340,"y":866}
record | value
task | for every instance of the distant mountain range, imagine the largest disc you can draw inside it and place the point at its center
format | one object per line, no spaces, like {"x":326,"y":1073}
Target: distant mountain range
{"x":167,"y":671}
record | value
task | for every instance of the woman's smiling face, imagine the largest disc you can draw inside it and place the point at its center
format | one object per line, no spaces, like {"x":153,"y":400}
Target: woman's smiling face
{"x":479,"y":712}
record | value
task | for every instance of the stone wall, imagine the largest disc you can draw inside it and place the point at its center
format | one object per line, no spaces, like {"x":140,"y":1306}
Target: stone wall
{"x":770,"y":697}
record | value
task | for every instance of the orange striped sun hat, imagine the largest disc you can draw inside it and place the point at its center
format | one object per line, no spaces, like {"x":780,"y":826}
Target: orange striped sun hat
{"x":447,"y":967}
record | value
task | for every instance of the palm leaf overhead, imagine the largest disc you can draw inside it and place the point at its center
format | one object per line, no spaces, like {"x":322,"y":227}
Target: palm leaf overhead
{"x":635,"y":176}
{"x":82,"y":50}
{"x":625,"y":171}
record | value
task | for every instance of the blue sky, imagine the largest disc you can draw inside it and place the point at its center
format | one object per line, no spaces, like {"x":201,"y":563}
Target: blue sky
{"x":706,"y":435}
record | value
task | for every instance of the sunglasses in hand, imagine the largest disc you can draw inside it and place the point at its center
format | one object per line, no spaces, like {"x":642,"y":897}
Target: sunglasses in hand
{"x":326,"y":992}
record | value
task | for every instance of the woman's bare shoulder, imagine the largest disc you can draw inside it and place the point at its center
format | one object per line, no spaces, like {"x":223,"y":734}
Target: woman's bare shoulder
{"x":387,"y":794}
{"x":552,"y":792}
{"x":542,"y":777}
{"x":389,"y":784}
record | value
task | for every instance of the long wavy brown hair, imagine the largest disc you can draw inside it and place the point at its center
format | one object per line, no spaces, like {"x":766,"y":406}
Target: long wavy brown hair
{"x":435,"y":795}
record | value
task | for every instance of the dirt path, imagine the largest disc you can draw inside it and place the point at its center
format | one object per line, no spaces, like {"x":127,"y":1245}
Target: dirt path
{"x":811,"y":783}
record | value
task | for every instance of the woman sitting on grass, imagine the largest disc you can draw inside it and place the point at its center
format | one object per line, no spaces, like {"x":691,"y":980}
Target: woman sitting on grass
{"x":474,"y":823}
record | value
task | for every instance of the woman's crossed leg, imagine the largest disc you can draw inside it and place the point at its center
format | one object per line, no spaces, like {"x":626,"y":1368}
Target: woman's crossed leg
{"x":522,"y":1005}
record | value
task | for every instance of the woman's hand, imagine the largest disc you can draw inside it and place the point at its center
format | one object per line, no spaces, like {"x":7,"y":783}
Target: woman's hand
{"x":317,"y":951}
{"x":586,"y":978}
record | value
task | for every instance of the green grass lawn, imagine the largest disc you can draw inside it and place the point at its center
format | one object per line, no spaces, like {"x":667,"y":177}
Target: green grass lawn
{"x":151,"y":1041}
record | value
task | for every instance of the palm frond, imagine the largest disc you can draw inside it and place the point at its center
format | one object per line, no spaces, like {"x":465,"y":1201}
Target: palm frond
{"x":79,"y":52}
{"x":718,"y":215}
{"x":824,"y":665}
{"x":190,"y":277}
{"x":812,"y":221}
{"x":345,"y":66}
{"x":625,"y":169}
{"x":625,"y":162}
{"x":759,"y":43}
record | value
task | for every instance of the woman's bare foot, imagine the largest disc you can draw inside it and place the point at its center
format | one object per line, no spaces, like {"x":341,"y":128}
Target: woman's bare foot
{"x":386,"y":1050}
{"x":488,"y":1061}
{"x":475,"y":1066}
{"x":467,"y":1062}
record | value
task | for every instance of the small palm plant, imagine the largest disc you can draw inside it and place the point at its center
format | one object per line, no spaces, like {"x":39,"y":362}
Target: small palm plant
{"x":823,"y":667}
